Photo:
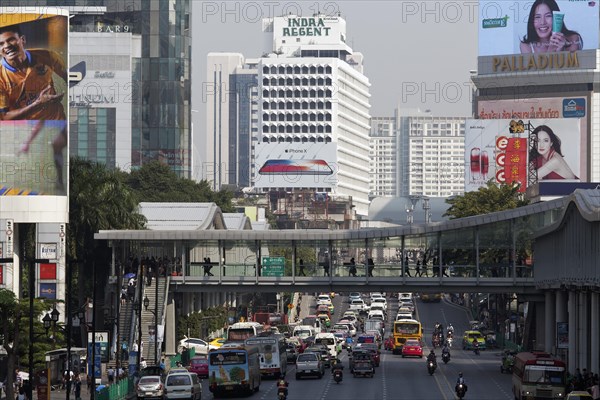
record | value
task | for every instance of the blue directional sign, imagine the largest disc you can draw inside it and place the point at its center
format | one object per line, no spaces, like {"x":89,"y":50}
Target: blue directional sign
{"x":97,"y":360}
{"x":574,"y":108}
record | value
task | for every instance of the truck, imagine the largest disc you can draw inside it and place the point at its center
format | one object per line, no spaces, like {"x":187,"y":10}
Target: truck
{"x":309,"y":363}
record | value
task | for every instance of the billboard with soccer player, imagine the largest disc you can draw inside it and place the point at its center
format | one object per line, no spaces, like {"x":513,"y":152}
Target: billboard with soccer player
{"x":34,"y":114}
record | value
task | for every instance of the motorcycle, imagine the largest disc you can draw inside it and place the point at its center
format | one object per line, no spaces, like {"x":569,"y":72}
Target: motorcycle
{"x":282,"y":391}
{"x":338,"y":375}
{"x":445,"y":357}
{"x":449,"y":341}
{"x":460,"y":390}
{"x":476,"y":348}
{"x":431,"y":367}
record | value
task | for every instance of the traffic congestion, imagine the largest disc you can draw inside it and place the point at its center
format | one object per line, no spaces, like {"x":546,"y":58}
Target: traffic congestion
{"x":361,"y":346}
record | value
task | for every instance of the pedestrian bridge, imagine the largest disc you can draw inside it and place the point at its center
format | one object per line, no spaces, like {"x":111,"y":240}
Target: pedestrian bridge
{"x":490,"y":253}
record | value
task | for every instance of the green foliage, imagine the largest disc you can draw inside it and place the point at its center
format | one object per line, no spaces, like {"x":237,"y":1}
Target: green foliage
{"x":156,"y":182}
{"x":485,"y":200}
{"x":197,"y":323}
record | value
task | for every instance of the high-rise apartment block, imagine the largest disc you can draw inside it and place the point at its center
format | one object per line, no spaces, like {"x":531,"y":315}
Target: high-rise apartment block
{"x":312,"y":121}
{"x":416,"y":153}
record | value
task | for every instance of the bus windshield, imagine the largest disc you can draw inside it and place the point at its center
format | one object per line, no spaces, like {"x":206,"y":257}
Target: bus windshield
{"x":406,"y":328}
{"x":227,"y":358}
{"x":240,"y":334}
{"x":544,"y":374}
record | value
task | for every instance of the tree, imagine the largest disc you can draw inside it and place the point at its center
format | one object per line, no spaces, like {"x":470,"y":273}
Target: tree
{"x":14,"y":321}
{"x":488,"y":199}
{"x":156,"y":182}
{"x":99,"y":200}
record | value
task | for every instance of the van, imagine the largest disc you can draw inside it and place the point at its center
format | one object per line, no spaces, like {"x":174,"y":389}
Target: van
{"x":303,"y":331}
{"x":182,"y":385}
{"x":328,"y":339}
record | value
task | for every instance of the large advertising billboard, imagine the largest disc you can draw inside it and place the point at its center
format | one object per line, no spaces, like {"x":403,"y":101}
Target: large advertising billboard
{"x":574,"y":107}
{"x":295,"y":165}
{"x":540,"y":26}
{"x":498,"y":149}
{"x":34,"y":114}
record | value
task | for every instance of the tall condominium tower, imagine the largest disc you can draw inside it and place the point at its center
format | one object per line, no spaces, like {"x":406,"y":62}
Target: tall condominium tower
{"x":416,"y":153}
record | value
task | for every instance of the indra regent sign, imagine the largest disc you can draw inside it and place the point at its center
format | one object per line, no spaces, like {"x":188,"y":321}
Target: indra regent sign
{"x":306,"y":27}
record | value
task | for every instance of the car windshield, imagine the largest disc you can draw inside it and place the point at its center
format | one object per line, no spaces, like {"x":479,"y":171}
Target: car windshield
{"x":179,"y":380}
{"x":412,"y":343}
{"x":475,"y":335}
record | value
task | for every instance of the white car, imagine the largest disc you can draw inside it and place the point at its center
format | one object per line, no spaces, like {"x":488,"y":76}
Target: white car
{"x":201,"y":346}
{"x":323,"y":299}
{"x":350,"y":325}
{"x":376,"y":314}
{"x":357,"y":305}
{"x":349,"y":313}
{"x":379,"y":300}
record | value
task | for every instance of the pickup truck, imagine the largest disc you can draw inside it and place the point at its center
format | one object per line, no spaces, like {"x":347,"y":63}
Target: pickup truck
{"x":309,"y":363}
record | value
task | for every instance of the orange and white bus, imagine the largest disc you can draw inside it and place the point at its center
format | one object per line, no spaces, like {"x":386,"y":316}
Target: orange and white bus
{"x":538,"y":375}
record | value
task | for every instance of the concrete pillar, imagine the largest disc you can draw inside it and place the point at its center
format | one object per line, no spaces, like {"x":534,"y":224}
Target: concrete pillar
{"x":561,"y":306}
{"x":583,"y":331}
{"x":549,"y":322}
{"x":572,"y":360}
{"x":595,"y":332}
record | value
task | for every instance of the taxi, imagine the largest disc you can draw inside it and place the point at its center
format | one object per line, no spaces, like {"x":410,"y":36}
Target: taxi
{"x":325,"y":320}
{"x":412,"y":348}
{"x":218,"y":342}
{"x":579,"y":395}
{"x":468,"y":340}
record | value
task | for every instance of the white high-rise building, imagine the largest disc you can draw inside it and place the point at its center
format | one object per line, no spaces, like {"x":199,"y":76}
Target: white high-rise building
{"x":417,"y":154}
{"x":313,"y":116}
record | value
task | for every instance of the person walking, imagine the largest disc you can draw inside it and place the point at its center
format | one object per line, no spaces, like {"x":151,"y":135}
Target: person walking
{"x":352,"y":269}
{"x":77,"y":387}
{"x":326,"y":266}
{"x":418,"y":269}
{"x":406,"y":267}
{"x":301,"y":272}
{"x":370,"y":266}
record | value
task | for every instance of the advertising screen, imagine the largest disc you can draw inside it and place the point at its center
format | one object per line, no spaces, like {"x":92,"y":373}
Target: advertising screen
{"x":33,"y":114}
{"x":295,"y":165}
{"x":540,"y":26}
{"x":575,"y":107}
{"x":499,"y":150}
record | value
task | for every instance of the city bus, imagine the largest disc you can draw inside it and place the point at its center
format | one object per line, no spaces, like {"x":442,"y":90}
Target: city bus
{"x":241,"y":331}
{"x":272,"y":354}
{"x":405,"y":329}
{"x":538,"y":375}
{"x":233,"y":369}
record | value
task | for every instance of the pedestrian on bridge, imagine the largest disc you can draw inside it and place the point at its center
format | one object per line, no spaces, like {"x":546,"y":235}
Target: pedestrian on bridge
{"x":418,"y":269}
{"x":301,"y":272}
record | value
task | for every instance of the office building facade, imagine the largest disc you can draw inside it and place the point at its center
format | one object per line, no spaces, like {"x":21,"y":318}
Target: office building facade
{"x":159,"y":89}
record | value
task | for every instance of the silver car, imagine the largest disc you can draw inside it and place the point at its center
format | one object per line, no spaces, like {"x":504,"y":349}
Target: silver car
{"x":149,"y":386}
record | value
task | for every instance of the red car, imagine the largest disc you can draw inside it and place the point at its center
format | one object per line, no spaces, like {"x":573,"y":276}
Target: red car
{"x":199,"y":365}
{"x":412,"y":348}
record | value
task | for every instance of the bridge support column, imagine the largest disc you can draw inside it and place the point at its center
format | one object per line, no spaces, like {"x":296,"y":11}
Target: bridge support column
{"x":549,"y":321}
{"x":572,"y":360}
{"x":595,"y":332}
{"x":583,"y":331}
{"x":561,"y":306}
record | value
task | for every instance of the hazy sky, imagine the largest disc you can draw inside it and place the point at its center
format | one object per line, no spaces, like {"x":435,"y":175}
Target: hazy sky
{"x":416,"y":53}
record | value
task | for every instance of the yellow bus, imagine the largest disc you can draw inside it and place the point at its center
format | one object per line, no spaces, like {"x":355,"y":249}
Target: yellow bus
{"x":405,"y":329}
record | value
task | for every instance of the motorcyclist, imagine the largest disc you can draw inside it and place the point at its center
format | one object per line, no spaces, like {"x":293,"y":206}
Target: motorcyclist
{"x":460,"y":380}
{"x":337,"y":366}
{"x":450,"y":329}
{"x":282,"y":386}
{"x":445,"y":349}
{"x":432,"y":357}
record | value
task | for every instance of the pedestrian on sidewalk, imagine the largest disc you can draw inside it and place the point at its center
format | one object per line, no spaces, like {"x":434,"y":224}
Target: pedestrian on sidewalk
{"x":77,"y":387}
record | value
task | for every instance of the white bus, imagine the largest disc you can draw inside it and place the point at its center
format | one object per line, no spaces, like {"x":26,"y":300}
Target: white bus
{"x":241,"y":331}
{"x":272,"y":354}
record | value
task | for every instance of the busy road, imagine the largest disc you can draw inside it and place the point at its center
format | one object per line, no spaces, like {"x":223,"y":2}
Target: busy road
{"x":405,"y":378}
